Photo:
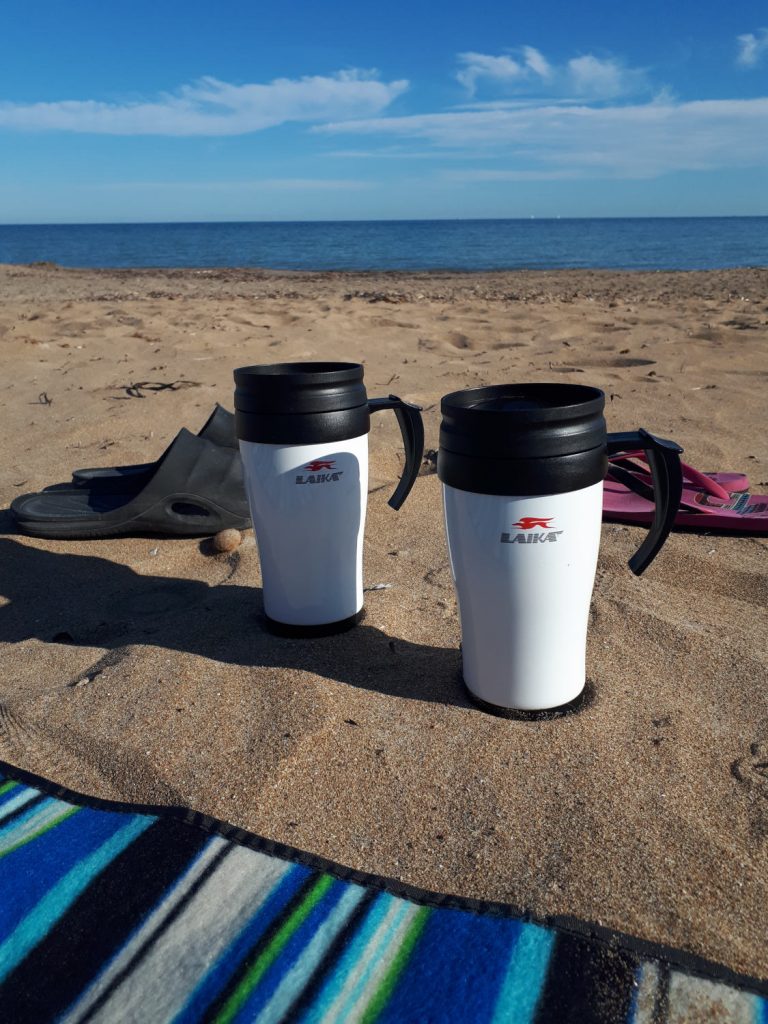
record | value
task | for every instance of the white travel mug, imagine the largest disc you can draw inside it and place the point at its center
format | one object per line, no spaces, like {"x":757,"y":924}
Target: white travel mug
{"x":522,"y":469}
{"x":303,"y":432}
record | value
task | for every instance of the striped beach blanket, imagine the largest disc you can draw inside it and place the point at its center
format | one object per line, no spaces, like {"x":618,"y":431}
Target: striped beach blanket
{"x":116,"y":913}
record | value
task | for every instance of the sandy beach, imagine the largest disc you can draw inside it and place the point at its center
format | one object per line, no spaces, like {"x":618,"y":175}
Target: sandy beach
{"x":139,"y":668}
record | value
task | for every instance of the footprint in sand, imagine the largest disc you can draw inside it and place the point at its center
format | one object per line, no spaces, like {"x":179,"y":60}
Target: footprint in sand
{"x":741,"y":325}
{"x":459,"y":340}
{"x":383,"y":321}
{"x":284,"y":319}
{"x":120,"y":317}
{"x":242,"y":321}
{"x":618,"y":362}
{"x":15,"y":733}
{"x":752,"y":771}
{"x":439,"y":577}
{"x":712,"y":334}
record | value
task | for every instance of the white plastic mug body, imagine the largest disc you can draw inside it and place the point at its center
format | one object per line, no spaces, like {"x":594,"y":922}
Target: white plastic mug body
{"x":308,"y":504}
{"x":524,"y":569}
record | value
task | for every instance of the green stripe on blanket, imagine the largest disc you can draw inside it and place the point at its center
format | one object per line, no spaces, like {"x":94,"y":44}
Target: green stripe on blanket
{"x":111,"y":912}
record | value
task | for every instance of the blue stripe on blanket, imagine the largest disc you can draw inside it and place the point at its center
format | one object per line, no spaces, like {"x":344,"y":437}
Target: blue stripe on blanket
{"x":43,"y":862}
{"x":35,"y":925}
{"x":219,"y":975}
{"x":146,"y":914}
{"x":301,"y":953}
{"x":431,"y":986}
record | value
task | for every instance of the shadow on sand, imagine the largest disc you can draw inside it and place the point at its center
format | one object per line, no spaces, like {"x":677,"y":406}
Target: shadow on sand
{"x":89,"y":601}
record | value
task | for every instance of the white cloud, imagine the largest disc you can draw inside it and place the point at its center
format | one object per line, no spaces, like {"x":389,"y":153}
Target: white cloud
{"x":482,"y":65}
{"x":602,"y":79}
{"x":502,"y":69}
{"x":388,"y":153}
{"x":628,"y":141}
{"x":481,"y":174}
{"x":212,"y":107}
{"x":254,"y":185}
{"x":586,"y":76}
{"x":752,"y":48}
{"x":536,"y":62}
{"x":516,"y":104}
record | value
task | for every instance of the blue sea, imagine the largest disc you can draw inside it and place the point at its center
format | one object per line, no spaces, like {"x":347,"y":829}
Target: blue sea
{"x":669,"y":243}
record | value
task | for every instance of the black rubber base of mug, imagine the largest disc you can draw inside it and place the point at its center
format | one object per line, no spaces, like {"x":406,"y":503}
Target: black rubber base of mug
{"x":583,"y":700}
{"x":287,"y":629}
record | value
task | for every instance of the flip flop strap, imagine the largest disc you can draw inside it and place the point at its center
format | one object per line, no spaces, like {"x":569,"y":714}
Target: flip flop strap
{"x":641,"y":487}
{"x":693,"y":476}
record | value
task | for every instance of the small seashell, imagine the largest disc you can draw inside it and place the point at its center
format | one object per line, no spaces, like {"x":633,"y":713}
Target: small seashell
{"x":226,"y":540}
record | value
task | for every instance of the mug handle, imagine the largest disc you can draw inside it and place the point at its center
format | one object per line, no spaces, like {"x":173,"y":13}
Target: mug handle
{"x":664,"y":459}
{"x":412,"y":429}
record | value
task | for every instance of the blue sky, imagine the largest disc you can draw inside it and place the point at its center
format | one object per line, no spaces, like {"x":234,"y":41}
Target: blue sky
{"x":168,"y":110}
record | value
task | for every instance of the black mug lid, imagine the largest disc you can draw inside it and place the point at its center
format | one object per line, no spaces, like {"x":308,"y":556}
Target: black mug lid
{"x":296,"y":388}
{"x":523,"y":421}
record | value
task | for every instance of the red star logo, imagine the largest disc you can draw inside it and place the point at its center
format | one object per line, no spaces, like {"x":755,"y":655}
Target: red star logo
{"x":531,"y":522}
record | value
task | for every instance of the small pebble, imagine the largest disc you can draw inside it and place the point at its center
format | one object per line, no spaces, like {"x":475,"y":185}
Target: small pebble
{"x":227,"y":540}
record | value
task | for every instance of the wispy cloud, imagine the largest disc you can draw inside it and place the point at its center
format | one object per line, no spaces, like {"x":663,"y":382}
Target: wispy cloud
{"x":484,"y":175}
{"x":752,"y":48}
{"x":213,"y":107}
{"x":254,"y":185}
{"x":538,"y":64}
{"x":516,"y":104}
{"x":527,"y":69}
{"x":592,"y":76}
{"x":475,"y":66}
{"x":389,"y":153}
{"x":629,"y":141}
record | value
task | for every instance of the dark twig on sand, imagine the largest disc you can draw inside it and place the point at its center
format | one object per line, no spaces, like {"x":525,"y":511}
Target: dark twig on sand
{"x":134,"y":390}
{"x":428,"y":462}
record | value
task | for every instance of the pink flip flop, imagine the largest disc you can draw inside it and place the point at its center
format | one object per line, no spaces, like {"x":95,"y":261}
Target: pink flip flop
{"x":725,"y":483}
{"x":700,"y":508}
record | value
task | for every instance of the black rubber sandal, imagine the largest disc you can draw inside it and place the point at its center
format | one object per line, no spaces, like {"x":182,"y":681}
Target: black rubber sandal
{"x":219,"y":428}
{"x":194,"y":490}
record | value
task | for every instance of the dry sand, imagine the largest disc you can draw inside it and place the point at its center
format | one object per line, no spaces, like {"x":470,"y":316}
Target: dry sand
{"x":138,"y":669}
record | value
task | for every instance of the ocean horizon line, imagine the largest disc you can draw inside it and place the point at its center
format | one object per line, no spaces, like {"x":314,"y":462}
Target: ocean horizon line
{"x":389,"y":220}
{"x":471,"y":244}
